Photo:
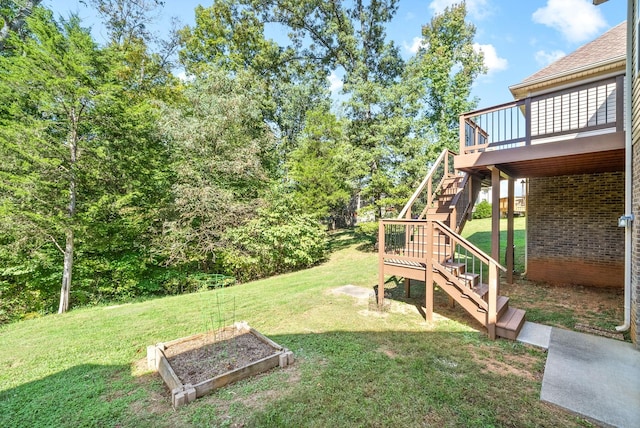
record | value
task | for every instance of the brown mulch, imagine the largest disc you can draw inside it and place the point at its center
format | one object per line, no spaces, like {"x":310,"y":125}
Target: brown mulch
{"x":215,"y":353}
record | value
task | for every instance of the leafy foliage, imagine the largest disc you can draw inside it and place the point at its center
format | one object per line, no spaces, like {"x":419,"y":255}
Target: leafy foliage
{"x":134,"y":183}
{"x":280,"y":239}
{"x":221,"y":155}
{"x":482,"y":210}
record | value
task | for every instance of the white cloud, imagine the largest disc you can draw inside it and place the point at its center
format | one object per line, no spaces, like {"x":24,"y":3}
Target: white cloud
{"x":576,"y":20}
{"x":476,"y":9}
{"x":415,"y":45}
{"x":335,"y":83}
{"x":545,"y":58}
{"x":491,"y":59}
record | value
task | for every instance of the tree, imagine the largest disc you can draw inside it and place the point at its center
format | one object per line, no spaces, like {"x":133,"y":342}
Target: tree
{"x":127,"y":20}
{"x":442,"y":72}
{"x":13,"y":15}
{"x":50,"y":91}
{"x":319,"y":167}
{"x":230,"y":36}
{"x":351,"y":38}
{"x":222,"y":156}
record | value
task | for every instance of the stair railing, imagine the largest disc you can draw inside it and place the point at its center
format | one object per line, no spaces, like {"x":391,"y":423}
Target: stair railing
{"x":434,"y":244}
{"x":476,"y":262}
{"x":432,"y":184}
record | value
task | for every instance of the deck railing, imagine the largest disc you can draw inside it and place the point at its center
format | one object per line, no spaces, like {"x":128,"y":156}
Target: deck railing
{"x":427,"y":192}
{"x":590,"y":108}
{"x":432,"y":245}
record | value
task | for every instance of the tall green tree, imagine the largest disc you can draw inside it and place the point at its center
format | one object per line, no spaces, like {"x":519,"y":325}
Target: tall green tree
{"x":50,"y":91}
{"x":12,"y":17}
{"x":319,"y":167}
{"x":222,"y":159}
{"x":442,"y":73}
{"x":230,"y":36}
{"x":351,"y":38}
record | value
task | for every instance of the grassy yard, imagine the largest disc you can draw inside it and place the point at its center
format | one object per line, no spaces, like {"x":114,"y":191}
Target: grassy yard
{"x":479,"y":232}
{"x":354,"y":367}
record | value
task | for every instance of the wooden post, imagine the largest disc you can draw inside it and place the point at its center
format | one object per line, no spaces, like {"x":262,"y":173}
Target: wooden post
{"x":446,"y":163}
{"x":510,"y":213}
{"x":527,"y":122}
{"x":380,"y":265}
{"x":428,"y":280}
{"x":620,"y":104}
{"x":492,"y":314}
{"x":495,"y":213}
{"x":463,"y":134}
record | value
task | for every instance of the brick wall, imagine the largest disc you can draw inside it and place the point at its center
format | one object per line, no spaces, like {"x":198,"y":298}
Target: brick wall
{"x":572,"y":229}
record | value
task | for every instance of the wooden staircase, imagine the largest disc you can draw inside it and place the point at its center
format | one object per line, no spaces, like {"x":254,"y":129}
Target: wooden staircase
{"x":430,"y":249}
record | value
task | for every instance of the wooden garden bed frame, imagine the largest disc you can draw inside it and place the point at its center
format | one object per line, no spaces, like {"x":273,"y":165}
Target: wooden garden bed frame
{"x":182,"y":394}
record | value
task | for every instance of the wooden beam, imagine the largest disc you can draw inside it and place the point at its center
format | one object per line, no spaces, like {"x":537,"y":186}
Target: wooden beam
{"x":557,"y":149}
{"x":428,"y":277}
{"x":510,"y":225}
{"x":495,"y":213}
{"x":380,"y":265}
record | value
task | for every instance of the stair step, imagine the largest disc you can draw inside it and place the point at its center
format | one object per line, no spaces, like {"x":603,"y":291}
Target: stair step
{"x":456,"y":268}
{"x":471,"y":279}
{"x":503,"y":306}
{"x":510,"y":323}
{"x":481,"y":290}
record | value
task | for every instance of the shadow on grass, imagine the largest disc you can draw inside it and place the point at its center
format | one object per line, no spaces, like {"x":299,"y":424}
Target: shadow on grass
{"x":442,"y":306}
{"x":84,"y":395}
{"x":343,"y":238}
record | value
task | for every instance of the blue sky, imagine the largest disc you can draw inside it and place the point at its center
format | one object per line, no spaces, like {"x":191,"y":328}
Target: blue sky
{"x":518,"y":37}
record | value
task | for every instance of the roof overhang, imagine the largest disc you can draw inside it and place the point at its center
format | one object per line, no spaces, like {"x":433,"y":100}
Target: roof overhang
{"x":597,"y":2}
{"x":551,"y":83}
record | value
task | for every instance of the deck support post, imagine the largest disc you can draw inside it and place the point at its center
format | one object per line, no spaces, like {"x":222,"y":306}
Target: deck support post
{"x":428,"y":280}
{"x":492,"y":313}
{"x":495,"y":213}
{"x":407,"y":287}
{"x":510,"y":213}
{"x":380,"y":265}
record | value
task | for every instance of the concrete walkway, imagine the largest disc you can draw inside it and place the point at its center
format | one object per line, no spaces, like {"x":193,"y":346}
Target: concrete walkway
{"x":593,"y":376}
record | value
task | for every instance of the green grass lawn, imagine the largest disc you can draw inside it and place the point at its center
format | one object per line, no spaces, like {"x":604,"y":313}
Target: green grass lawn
{"x":354,"y":367}
{"x":479,"y":232}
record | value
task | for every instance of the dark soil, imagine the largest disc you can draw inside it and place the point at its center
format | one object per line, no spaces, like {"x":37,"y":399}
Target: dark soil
{"x":213,"y":354}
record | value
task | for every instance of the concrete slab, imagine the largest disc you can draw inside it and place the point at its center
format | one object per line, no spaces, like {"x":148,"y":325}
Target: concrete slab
{"x":593,"y":376}
{"x":535,"y":334}
{"x":354,"y":291}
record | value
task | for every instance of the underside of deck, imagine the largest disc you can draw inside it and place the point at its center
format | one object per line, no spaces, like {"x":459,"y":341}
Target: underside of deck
{"x":584,"y":155}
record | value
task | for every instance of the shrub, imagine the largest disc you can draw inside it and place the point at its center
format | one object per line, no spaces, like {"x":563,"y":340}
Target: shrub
{"x":482,"y":210}
{"x":369,"y":230}
{"x":280,"y":239}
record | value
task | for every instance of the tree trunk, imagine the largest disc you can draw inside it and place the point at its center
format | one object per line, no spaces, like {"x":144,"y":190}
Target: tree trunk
{"x":66,"y":272}
{"x":68,"y":248}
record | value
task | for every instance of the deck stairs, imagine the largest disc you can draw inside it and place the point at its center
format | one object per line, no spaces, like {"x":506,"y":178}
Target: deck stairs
{"x":428,"y":248}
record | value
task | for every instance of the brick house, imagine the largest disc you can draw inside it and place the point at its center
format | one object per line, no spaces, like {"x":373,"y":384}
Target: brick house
{"x":564,"y":134}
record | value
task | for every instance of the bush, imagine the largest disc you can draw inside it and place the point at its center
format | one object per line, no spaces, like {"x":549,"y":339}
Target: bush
{"x":369,"y":230}
{"x":482,"y":210}
{"x":280,"y":240}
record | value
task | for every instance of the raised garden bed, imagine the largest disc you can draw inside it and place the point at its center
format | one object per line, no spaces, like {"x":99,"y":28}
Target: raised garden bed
{"x":196,"y":365}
